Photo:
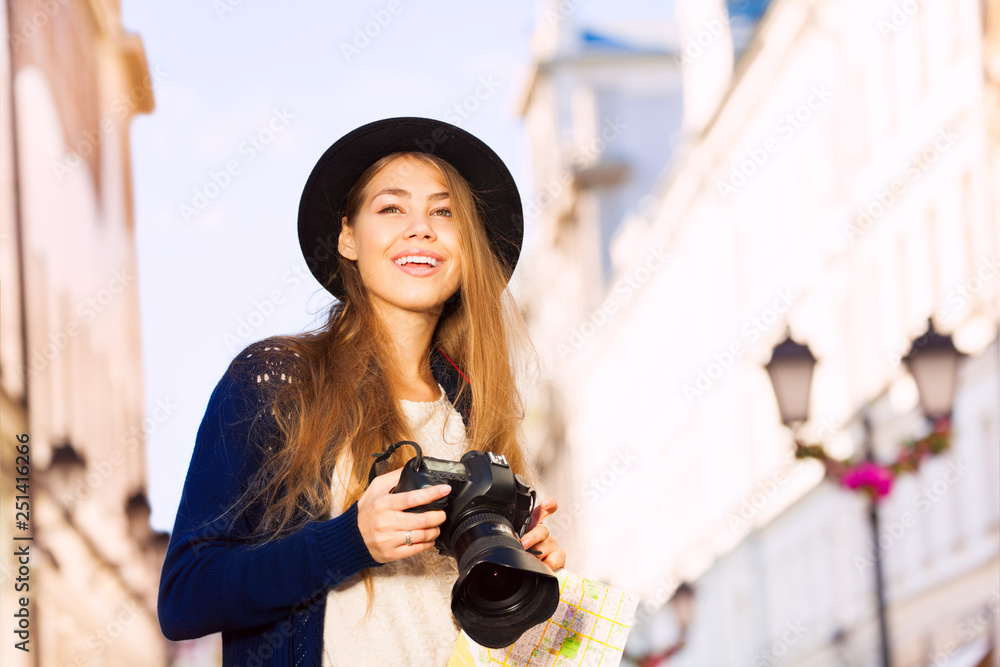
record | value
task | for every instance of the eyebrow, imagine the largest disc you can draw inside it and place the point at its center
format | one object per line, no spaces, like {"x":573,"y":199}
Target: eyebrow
{"x":399,"y":192}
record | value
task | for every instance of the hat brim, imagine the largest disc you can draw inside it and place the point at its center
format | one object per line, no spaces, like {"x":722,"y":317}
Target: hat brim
{"x":324,"y":198}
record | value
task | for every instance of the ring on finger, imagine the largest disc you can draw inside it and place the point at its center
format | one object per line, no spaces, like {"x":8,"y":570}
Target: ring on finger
{"x":408,"y":543}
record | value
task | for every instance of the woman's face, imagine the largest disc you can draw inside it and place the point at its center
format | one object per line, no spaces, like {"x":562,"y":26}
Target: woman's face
{"x":406,"y":215}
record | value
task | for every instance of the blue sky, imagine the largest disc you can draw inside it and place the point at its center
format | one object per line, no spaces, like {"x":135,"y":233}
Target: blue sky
{"x":250,"y":94}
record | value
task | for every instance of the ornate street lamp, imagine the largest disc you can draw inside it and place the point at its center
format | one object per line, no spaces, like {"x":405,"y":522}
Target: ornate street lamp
{"x":933,"y":363}
{"x":791,"y":371}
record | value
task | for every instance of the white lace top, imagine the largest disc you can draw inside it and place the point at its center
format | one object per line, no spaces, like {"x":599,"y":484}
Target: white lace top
{"x":411,"y":621}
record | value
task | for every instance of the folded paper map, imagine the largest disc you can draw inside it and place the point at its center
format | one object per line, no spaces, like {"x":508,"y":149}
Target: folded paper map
{"x":588,"y":628}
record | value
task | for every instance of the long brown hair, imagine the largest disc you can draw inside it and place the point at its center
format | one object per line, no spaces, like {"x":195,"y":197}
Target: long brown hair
{"x":339,"y":395}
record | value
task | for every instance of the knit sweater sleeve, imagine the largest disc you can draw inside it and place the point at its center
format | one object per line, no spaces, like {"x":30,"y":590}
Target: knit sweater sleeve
{"x":213,"y":579}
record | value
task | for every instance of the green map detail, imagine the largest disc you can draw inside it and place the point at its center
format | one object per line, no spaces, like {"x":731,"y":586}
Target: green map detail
{"x":570,"y":646}
{"x":592,"y":590}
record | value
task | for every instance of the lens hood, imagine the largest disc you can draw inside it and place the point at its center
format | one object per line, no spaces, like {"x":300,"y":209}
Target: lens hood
{"x":501,"y":592}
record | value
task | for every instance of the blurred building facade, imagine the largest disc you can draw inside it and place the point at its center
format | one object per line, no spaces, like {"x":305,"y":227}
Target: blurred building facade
{"x":840,"y":188}
{"x":603,"y":108}
{"x":70,"y":356}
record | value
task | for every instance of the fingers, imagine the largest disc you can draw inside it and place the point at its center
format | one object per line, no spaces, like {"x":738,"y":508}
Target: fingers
{"x":550,"y":553}
{"x":417,"y":497}
{"x":385,"y":482}
{"x":383,"y":521}
{"x":549,"y":506}
{"x":534,"y":536}
{"x":539,"y":538}
{"x":392,"y":546}
{"x":418,"y":537}
{"x":555,"y":560}
{"x":543,"y":510}
{"x":385,"y":535}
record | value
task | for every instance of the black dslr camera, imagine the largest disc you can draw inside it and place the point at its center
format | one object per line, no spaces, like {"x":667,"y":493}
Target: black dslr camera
{"x":501,"y":590}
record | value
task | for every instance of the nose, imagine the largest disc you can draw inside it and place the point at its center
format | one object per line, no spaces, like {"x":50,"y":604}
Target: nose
{"x":419,"y":226}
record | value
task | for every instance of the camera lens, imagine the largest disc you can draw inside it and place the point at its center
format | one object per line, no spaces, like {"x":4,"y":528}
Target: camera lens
{"x":496,"y":584}
{"x":501,"y":590}
{"x":496,"y":589}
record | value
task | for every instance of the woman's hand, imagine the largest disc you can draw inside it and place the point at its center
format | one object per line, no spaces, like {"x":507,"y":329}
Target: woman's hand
{"x":538,"y":536}
{"x":383,"y":523}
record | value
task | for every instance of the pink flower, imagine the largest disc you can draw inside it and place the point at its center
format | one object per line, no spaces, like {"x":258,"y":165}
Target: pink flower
{"x":874,"y":477}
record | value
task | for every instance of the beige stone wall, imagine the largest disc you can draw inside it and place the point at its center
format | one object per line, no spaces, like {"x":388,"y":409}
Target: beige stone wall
{"x":70,"y":351}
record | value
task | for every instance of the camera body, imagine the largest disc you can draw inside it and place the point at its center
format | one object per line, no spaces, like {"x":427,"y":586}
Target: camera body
{"x":479,"y":482}
{"x":501,"y":589}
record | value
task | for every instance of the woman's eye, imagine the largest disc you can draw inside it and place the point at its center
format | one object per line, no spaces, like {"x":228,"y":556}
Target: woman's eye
{"x":393,"y":207}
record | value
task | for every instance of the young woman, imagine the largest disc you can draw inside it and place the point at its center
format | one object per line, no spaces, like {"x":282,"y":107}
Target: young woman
{"x":280,"y":543}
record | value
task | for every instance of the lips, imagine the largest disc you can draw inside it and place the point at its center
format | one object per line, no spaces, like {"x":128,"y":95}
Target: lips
{"x":407,"y":261}
{"x":418,"y":269}
{"x":417,"y":252}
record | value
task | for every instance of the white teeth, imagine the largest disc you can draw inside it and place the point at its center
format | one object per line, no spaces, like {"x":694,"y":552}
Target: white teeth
{"x":418,"y":259}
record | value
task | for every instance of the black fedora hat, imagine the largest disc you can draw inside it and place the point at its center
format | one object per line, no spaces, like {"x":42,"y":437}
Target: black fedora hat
{"x":324,"y":198}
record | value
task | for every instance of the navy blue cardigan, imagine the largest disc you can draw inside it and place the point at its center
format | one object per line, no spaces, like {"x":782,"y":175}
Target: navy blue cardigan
{"x":269,"y":600}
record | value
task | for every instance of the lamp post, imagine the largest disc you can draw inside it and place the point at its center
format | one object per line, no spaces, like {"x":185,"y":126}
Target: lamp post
{"x":933,"y":362}
{"x":873,"y":522}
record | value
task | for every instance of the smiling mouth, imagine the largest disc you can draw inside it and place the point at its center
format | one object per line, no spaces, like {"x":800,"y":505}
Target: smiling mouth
{"x":416,"y":260}
{"x":424,"y":266}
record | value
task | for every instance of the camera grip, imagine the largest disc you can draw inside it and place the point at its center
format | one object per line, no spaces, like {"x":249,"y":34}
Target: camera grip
{"x":441,"y":504}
